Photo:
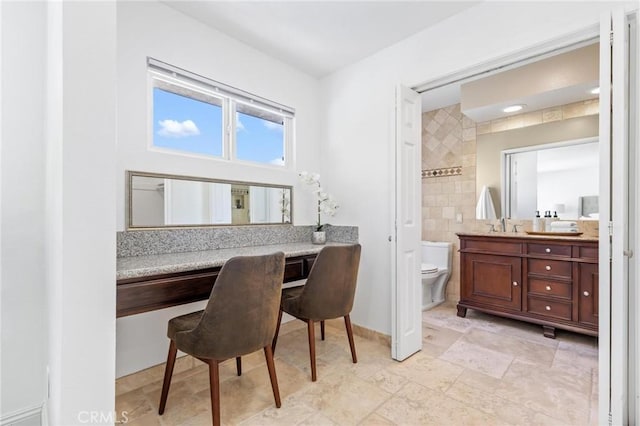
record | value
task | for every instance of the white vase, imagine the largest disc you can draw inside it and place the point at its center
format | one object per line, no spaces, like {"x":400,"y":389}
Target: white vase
{"x":319,"y":237}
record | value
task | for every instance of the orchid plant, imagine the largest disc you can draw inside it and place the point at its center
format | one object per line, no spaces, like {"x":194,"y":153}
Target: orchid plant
{"x":326,"y":203}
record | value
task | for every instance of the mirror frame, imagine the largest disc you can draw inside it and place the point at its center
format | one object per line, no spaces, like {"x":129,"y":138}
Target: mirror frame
{"x":505,"y":188}
{"x":130,"y":174}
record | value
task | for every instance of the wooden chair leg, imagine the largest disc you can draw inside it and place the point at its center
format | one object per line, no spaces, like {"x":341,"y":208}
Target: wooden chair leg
{"x":322,"y":329}
{"x":214,"y":385}
{"x":268,"y":354}
{"x":168,"y":372}
{"x":312,"y":349}
{"x":347,"y":324}
{"x":275,"y":336}
{"x":239,"y":365}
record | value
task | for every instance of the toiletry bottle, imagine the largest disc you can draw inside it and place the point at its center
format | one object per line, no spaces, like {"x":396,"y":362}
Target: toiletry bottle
{"x":555,"y":215}
{"x":547,"y":221}
{"x":537,"y":222}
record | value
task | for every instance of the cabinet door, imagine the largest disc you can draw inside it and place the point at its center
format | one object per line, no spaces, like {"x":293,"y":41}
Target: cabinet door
{"x":588,"y":296}
{"x":493,"y":280}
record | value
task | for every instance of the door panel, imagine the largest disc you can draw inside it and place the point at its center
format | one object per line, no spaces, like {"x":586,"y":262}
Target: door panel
{"x":588,"y":297}
{"x":495,"y":280}
{"x":407,"y":291}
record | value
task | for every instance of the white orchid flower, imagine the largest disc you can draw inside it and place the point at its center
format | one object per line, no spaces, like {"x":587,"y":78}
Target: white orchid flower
{"x":325,"y":201}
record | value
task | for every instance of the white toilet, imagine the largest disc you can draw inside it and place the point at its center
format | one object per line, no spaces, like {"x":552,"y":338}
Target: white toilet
{"x":436,"y":270}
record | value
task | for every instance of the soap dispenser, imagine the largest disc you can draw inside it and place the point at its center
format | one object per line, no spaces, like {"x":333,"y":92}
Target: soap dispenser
{"x":537,"y":222}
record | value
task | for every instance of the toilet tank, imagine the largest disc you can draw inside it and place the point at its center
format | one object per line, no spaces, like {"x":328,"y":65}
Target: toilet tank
{"x":437,"y":253}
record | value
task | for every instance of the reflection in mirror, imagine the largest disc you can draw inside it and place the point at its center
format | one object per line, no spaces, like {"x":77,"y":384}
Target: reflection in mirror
{"x":558,"y":177}
{"x":157,"y":201}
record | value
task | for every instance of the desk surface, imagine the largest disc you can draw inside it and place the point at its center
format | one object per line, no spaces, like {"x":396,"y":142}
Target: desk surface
{"x":141,"y":266}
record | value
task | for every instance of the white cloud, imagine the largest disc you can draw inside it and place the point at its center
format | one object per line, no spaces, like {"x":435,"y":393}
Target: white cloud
{"x":277,"y":162}
{"x":239,"y":125}
{"x":272,"y":126}
{"x":178,"y":129}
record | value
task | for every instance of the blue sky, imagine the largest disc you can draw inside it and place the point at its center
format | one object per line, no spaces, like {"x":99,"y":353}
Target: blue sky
{"x":189,"y":125}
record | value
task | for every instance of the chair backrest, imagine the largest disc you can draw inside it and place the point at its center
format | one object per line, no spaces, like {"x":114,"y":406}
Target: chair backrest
{"x":243,"y":308}
{"x":331,"y":284}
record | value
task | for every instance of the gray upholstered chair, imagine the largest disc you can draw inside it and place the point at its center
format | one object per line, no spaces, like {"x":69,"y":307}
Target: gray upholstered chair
{"x":239,"y":319}
{"x":327,"y":294}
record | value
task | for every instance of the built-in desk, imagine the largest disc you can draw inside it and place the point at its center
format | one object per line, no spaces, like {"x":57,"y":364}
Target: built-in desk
{"x":146,"y":283}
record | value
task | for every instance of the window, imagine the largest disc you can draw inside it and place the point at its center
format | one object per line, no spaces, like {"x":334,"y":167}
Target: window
{"x":195,"y":115}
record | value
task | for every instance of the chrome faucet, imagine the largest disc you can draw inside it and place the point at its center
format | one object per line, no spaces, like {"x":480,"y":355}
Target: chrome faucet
{"x":503,"y":224}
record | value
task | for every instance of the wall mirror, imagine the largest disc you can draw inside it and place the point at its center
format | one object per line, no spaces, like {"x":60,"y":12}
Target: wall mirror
{"x":559,"y":177}
{"x":491,"y":171}
{"x":160,"y":201}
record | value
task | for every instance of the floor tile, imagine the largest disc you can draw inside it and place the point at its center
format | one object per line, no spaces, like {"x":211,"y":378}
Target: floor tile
{"x":558,"y":394}
{"x":418,"y":405}
{"x":478,"y":370}
{"x":479,"y":358}
{"x":515,"y":347}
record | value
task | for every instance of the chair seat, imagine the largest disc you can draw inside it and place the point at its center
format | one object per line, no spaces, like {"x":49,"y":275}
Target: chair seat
{"x":183,"y":323}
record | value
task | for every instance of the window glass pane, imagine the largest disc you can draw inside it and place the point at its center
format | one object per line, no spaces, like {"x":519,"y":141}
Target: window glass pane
{"x":183,"y":123}
{"x":259,"y":136}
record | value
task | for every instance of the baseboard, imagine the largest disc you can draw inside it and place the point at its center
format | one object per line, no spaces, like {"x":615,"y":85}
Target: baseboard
{"x":364,"y":332}
{"x":26,"y":417}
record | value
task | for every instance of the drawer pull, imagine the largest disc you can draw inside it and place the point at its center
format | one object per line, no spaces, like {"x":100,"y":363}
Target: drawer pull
{"x":548,"y":288}
{"x":515,"y":283}
{"x":548,"y":308}
{"x":548,"y":250}
{"x":548,"y":268}
{"x":586,"y":293}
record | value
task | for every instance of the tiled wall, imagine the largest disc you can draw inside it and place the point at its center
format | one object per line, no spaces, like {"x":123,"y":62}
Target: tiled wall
{"x":449,"y":172}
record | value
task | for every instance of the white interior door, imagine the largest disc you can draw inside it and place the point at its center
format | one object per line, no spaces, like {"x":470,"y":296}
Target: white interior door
{"x":407,"y":256}
{"x":634,"y":211}
{"x":614,"y":220}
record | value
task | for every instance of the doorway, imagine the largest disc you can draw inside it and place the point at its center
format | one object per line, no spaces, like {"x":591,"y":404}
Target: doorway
{"x":450,"y":171}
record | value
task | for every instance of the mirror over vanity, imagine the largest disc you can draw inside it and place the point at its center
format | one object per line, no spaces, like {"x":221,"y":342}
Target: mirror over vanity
{"x":559,"y":177}
{"x":547,"y":167}
{"x":162,"y":200}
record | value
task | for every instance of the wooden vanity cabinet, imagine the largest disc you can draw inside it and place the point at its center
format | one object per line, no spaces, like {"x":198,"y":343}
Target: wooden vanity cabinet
{"x":551,"y":282}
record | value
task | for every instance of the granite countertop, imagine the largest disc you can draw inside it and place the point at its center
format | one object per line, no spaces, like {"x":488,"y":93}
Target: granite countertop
{"x":140,"y":266}
{"x":529,"y":236}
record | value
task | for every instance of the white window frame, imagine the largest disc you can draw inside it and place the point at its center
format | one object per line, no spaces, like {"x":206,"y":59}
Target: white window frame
{"x":230,"y":97}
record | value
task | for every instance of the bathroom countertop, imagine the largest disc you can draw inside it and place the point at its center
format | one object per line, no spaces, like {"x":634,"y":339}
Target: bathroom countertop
{"x":141,"y":266}
{"x":528,"y":236}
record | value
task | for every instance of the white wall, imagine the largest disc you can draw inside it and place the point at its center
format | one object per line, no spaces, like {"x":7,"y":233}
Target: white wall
{"x":358,"y":105}
{"x":153,"y":29}
{"x":22,"y":254}
{"x":80,"y":235}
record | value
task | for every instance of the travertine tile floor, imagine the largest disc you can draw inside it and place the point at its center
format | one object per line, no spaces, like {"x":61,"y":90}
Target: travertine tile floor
{"x":478,"y":370}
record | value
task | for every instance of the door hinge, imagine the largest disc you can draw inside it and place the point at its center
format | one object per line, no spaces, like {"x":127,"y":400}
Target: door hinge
{"x":610,"y":419}
{"x":610,"y":229}
{"x":611,"y":38}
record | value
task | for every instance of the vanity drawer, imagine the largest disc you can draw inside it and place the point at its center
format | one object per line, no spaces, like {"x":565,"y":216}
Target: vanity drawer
{"x":549,"y":288}
{"x":588,"y":253}
{"x":549,"y":249}
{"x":551,"y":268}
{"x":549,"y":308}
{"x":493,"y":247}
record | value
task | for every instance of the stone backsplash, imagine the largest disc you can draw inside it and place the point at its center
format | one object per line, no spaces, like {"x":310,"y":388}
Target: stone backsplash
{"x":159,"y":241}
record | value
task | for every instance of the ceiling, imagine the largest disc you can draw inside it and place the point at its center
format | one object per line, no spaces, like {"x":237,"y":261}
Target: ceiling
{"x":551,"y":79}
{"x":320,"y":37}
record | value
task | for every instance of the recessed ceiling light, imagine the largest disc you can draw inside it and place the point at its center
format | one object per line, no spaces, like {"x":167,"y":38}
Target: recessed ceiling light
{"x":595,"y":91}
{"x":513,"y":108}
